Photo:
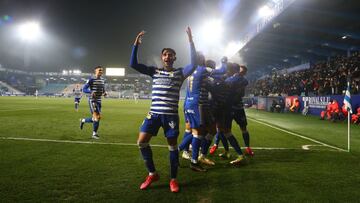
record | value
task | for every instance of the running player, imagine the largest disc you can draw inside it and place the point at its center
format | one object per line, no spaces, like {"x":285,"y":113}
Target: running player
{"x":164,"y":107}
{"x":95,"y":86}
{"x":77,"y":96}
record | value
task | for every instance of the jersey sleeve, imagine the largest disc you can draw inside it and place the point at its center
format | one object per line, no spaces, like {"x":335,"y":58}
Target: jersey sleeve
{"x":86,"y":87}
{"x":189,"y":69}
{"x":144,"y":69}
{"x":220,"y":71}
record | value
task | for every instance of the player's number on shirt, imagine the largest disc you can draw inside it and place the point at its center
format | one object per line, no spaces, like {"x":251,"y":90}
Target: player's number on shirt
{"x":191,"y":80}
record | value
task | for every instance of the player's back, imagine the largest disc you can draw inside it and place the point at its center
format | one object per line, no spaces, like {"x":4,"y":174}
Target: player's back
{"x":195,"y":87}
{"x":237,"y":86}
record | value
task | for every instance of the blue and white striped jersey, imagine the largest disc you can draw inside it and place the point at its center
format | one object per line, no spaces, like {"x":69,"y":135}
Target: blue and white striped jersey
{"x":165,"y":91}
{"x":166,"y":84}
{"x":204,"y":95}
{"x":96,"y":86}
{"x":77,"y":93}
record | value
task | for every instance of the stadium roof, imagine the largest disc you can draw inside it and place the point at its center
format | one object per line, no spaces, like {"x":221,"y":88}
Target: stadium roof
{"x":306,"y":31}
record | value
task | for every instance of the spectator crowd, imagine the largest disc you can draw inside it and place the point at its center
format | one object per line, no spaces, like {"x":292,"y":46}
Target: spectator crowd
{"x":323,"y":78}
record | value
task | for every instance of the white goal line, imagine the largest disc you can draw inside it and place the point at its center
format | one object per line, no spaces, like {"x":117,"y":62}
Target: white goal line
{"x":298,"y":135}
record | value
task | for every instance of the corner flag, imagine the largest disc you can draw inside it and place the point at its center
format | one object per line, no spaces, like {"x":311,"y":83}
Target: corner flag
{"x":347,"y":99}
{"x":347,"y":102}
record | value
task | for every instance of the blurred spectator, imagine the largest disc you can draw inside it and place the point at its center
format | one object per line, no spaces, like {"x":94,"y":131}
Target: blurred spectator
{"x":323,"y":78}
{"x":326,"y":112}
{"x":295,"y":106}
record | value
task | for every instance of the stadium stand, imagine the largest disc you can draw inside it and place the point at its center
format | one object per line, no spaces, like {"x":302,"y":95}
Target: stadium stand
{"x":6,"y":89}
{"x":52,"y":89}
{"x":323,"y":78}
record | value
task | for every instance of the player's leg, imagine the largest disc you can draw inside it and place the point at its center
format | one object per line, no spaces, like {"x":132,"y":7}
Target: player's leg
{"x":206,"y":142}
{"x":146,"y":152}
{"x":148,"y":129}
{"x":174,"y":163}
{"x":240,"y":118}
{"x":235,"y":144}
{"x":96,"y":120}
{"x":217,"y":138}
{"x":170,"y":124}
{"x":216,"y":142}
{"x":76,"y":104}
{"x":92,"y":107}
{"x":224,"y":117}
{"x":197,"y":133}
{"x":196,"y":142}
{"x":226,"y":153}
{"x":210,"y":129}
{"x":232,"y":139}
{"x":184,"y":145}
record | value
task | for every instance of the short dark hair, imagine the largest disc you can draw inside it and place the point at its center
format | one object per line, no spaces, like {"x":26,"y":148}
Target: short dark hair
{"x":232,"y":68}
{"x":210,"y":63}
{"x":244,"y":67}
{"x":168,"y":49}
{"x":98,"y":67}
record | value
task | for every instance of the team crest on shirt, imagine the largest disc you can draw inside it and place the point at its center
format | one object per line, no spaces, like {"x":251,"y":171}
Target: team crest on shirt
{"x":148,"y":116}
{"x":171,"y":74}
{"x":172,"y":124}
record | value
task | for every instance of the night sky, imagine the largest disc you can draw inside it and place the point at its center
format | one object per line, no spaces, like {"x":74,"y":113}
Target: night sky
{"x":79,"y":33}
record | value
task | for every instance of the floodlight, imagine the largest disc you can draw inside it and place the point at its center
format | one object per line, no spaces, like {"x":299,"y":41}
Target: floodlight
{"x":211,"y":31}
{"x":113,"y":71}
{"x":232,"y":48}
{"x":29,"y":31}
{"x":265,"y":11}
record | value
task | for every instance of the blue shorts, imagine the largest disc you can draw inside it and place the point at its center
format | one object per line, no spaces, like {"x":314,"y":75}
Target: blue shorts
{"x":169,"y":123}
{"x":77,"y":100}
{"x":193,"y":116}
{"x":198,"y":116}
{"x":95,"y":106}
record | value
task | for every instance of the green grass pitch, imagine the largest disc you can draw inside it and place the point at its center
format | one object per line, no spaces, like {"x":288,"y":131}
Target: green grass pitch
{"x":35,"y":168}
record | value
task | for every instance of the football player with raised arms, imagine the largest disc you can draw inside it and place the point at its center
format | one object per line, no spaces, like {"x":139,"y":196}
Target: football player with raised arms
{"x":166,"y":84}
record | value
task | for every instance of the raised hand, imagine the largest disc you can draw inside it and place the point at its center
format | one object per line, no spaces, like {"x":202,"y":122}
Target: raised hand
{"x":139,"y":38}
{"x":188,"y":31}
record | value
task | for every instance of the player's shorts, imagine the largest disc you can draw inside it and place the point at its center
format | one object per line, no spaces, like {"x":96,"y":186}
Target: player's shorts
{"x":95,"y":106}
{"x":169,"y":123}
{"x":208,"y":116}
{"x":240,"y":118}
{"x":198,"y":116}
{"x":228,"y":118}
{"x":221,"y":114}
{"x":77,"y":100}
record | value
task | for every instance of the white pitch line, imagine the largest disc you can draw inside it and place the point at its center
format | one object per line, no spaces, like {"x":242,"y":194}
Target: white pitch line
{"x":25,"y":109}
{"x":116,"y":143}
{"x":298,"y":135}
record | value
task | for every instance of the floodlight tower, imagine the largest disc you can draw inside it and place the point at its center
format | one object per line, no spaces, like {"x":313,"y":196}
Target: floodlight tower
{"x":29,"y":32}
